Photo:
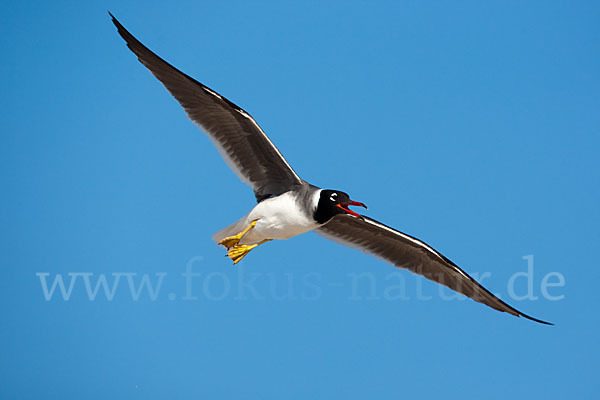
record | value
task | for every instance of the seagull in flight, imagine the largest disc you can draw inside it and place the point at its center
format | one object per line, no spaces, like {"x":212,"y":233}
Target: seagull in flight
{"x":287,"y":205}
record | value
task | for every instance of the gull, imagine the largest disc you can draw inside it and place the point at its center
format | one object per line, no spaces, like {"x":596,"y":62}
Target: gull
{"x":287,"y":205}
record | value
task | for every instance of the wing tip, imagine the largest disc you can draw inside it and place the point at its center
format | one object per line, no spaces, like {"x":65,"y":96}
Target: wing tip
{"x":535,"y":319}
{"x":125,"y":34}
{"x":114,"y":20}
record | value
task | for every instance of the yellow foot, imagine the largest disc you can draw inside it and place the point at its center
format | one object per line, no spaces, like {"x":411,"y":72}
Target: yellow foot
{"x":231,"y":241}
{"x":239,"y":251}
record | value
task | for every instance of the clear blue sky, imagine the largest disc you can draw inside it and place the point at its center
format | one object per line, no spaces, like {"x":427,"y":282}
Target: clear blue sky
{"x":472,"y":126}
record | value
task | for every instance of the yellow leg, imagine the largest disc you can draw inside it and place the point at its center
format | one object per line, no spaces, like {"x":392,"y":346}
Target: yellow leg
{"x":241,"y":250}
{"x":231,"y":241}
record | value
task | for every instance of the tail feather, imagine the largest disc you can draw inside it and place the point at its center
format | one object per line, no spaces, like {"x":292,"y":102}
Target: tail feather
{"x":231,"y":230}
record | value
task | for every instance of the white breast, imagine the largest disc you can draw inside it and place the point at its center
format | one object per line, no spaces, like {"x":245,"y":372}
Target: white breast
{"x":280,"y":217}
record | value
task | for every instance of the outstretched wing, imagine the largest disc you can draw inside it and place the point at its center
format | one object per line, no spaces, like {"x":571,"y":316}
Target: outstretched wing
{"x":239,"y":139}
{"x":405,"y":251}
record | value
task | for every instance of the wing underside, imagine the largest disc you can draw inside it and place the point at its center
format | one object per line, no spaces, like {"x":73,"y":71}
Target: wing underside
{"x":407,"y":252}
{"x":237,"y":136}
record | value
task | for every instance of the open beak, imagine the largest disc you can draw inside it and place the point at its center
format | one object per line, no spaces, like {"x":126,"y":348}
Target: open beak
{"x":344,"y":206}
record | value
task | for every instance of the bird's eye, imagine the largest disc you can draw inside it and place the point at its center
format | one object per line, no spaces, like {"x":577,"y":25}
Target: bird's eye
{"x":333,"y":196}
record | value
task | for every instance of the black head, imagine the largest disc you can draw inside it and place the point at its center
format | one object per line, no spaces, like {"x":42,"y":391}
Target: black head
{"x":332,"y":203}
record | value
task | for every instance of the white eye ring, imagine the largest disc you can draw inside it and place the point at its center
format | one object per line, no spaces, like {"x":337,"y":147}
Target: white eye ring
{"x":333,"y":196}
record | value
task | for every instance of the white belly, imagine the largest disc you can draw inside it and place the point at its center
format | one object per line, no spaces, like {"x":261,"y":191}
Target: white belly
{"x":279,"y":217}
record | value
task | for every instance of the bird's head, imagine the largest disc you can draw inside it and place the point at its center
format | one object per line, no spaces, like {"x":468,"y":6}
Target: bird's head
{"x":332,"y":203}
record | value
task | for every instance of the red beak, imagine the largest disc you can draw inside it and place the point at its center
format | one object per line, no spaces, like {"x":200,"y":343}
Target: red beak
{"x":344,"y":206}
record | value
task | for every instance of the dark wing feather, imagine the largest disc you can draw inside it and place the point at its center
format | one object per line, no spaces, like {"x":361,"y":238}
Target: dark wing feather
{"x":241,"y":142}
{"x":405,"y":251}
